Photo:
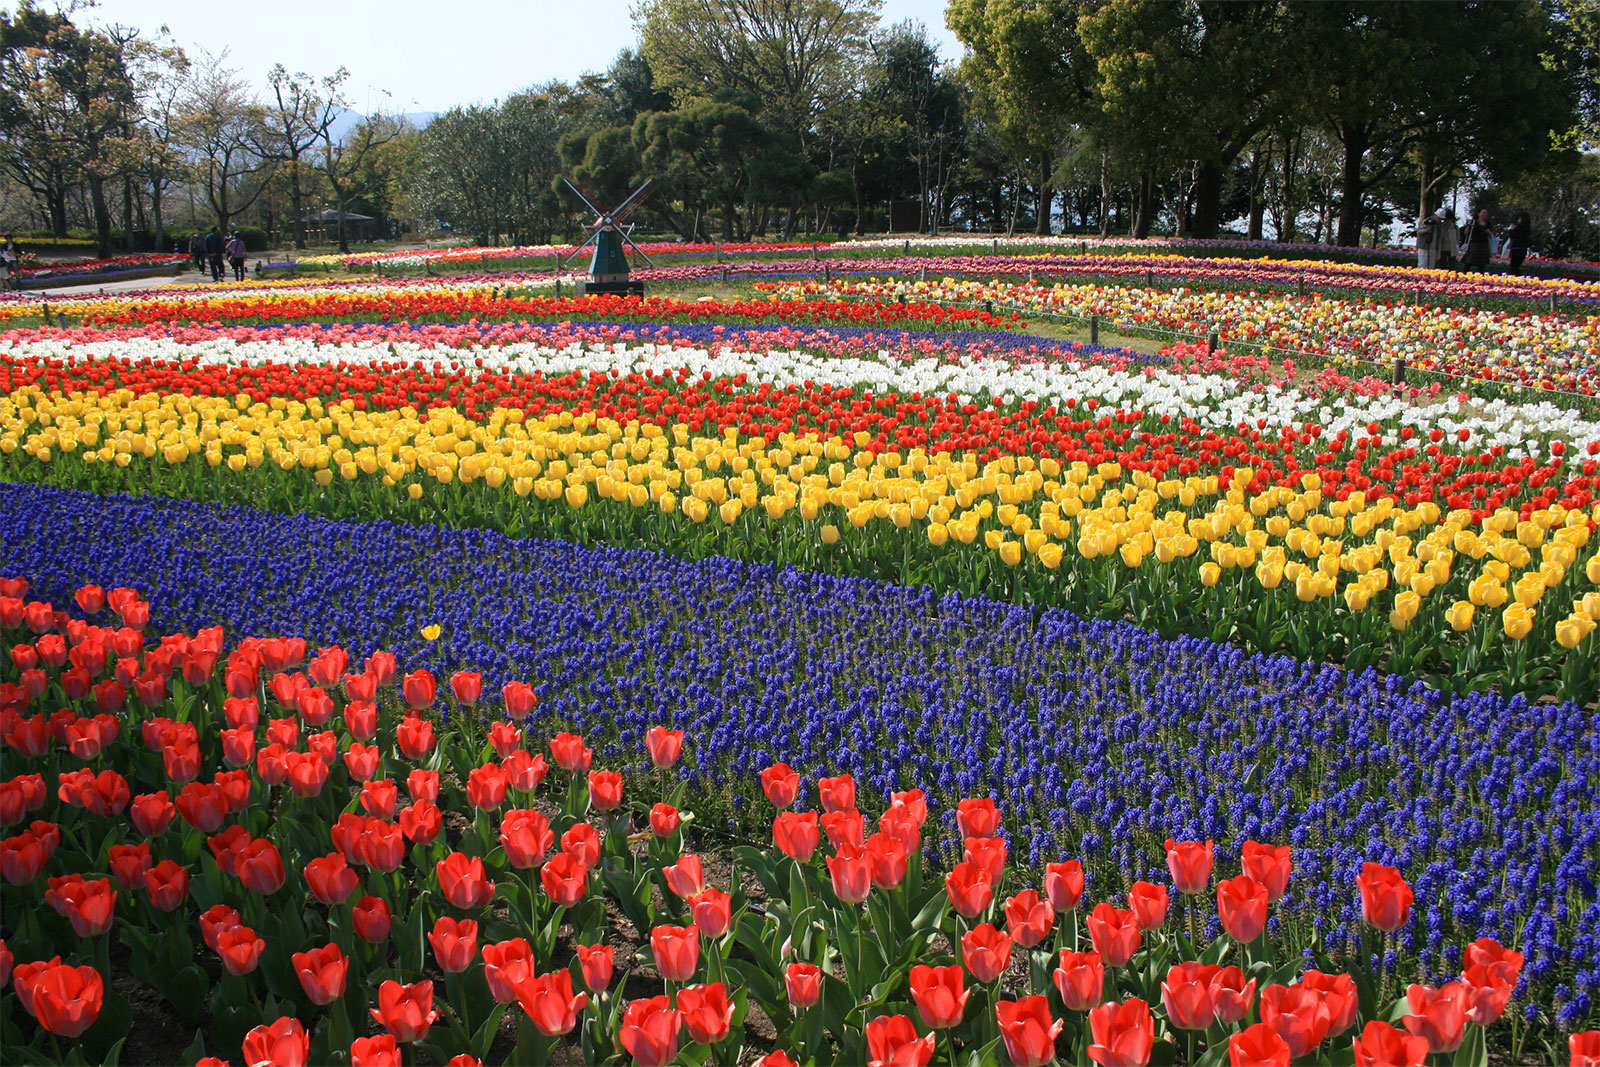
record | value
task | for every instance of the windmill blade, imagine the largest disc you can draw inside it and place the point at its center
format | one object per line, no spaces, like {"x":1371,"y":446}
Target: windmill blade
{"x":574,"y":253}
{"x":636,"y":249}
{"x":585,"y":199}
{"x":627,"y":206}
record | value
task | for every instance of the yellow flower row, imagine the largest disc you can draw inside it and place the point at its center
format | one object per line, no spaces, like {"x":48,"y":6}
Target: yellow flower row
{"x":1321,"y":548}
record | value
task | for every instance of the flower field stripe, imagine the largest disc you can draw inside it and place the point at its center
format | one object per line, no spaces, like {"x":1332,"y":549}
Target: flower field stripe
{"x":1097,"y":740}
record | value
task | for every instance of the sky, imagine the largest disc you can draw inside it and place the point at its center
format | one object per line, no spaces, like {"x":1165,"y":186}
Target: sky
{"x":418,"y":55}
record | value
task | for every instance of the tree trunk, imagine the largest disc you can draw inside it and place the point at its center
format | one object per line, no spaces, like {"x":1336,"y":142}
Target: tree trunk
{"x":1351,"y":187}
{"x":102,"y":217}
{"x":1207,"y":199}
{"x":155,"y":216}
{"x":295,"y":201}
{"x":1041,"y":224}
{"x":1143,"y":203}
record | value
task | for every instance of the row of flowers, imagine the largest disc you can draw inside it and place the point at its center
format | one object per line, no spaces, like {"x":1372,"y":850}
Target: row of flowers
{"x":1097,"y":740}
{"x":1414,"y":552}
{"x":61,"y":269}
{"x":177,"y":794}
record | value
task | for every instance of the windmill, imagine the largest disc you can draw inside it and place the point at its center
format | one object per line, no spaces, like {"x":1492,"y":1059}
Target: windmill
{"x":608,"y":268}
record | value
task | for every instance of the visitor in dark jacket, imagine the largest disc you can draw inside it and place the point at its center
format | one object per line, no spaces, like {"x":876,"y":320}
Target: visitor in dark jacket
{"x":1475,"y":238}
{"x":1517,"y":242}
{"x":214,"y":253}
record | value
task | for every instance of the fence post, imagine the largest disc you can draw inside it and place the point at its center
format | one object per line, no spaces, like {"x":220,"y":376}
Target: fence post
{"x":1149,"y":277}
{"x":827,"y":272}
{"x":1094,"y":329}
{"x":724,"y":275}
{"x":1416,"y":297}
{"x":994,"y":246}
{"x":813,"y":251}
{"x":922,"y":274}
{"x":558,"y":287}
{"x":906,"y":249}
{"x":1030,"y":276}
{"x":1399,"y":377}
{"x":988,"y":307}
{"x":1211,"y":342}
{"x":1302,"y":286}
{"x":1552,"y":303}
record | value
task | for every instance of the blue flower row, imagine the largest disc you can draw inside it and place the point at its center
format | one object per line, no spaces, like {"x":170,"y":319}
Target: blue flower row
{"x":1097,"y":739}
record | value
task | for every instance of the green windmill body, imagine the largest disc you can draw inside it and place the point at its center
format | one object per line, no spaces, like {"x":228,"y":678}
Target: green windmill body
{"x":608,"y":266}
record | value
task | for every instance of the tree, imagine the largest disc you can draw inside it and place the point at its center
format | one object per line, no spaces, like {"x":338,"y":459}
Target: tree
{"x":925,"y":104}
{"x":710,"y":154}
{"x":454,"y":176}
{"x":343,"y":163}
{"x":223,"y":128}
{"x":792,"y":56}
{"x":301,"y":113}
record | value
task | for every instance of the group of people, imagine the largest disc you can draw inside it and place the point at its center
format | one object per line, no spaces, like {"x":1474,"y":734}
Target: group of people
{"x":10,"y":263}
{"x":1444,"y":246}
{"x":208,"y":250}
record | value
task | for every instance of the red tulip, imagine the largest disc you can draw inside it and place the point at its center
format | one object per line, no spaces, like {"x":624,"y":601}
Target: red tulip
{"x":570,"y":753}
{"x":322,"y":973}
{"x":1080,"y":978}
{"x":419,"y":689}
{"x":152,"y":813}
{"x":712,"y":910}
{"x":892,"y":1041}
{"x":371,"y":919}
{"x":285,"y":732}
{"x":1339,"y":993}
{"x":1299,"y":1015}
{"x":107,"y":794}
{"x":676,"y":950}
{"x":462,"y":881}
{"x":1385,"y":896}
{"x":649,"y":1032}
{"x":282,"y":1043}
{"x":1585,"y":1048}
{"x":380,"y":1051}
{"x":361,"y":719}
{"x":1258,"y":1046}
{"x":888,"y":859}
{"x":664,"y":820}
{"x":1189,"y":863}
{"x":844,"y":828}
{"x":605,"y":790}
{"x":505,"y":739}
{"x":240,"y":949}
{"x":1030,"y":1033}
{"x":837,"y":794}
{"x":1148,"y":902}
{"x":1186,"y":995}
{"x":706,"y":1011}
{"x":379,"y":797}
{"x":900,"y":823}
{"x":128,"y":864}
{"x":406,"y":1011}
{"x":1488,"y":992}
{"x":91,"y":599}
{"x":977,"y":817}
{"x":66,"y":1000}
{"x":1028,"y":918}
{"x":214,"y":920}
{"x":520,"y":699}
{"x":802,"y":982}
{"x":796,"y":834}
{"x":940,"y":994}
{"x":988,"y":854}
{"x":1381,"y":1045}
{"x":524,"y":771}
{"x":506,"y":964}
{"x":1242,"y":907}
{"x":665,"y":746}
{"x":455,"y":944}
{"x":242,"y":712}
{"x":1231,"y":995}
{"x":526,"y":837}
{"x":328,"y":666}
{"x":361,"y":761}
{"x":235,"y":786}
{"x":776,"y":1058}
{"x":685,"y":878}
{"x":986,"y":951}
{"x":423,"y":785}
{"x":89,"y":905}
{"x":550,"y":1002}
{"x":307,"y":773}
{"x":851,"y":872}
{"x":260,"y":867}
{"x":381,"y":666}
{"x":1063,"y":884}
{"x":1115,"y":934}
{"x":969,"y":890}
{"x":1124,"y":1034}
{"x":468,"y":686}
{"x":565,"y":879}
{"x":486,"y":787}
{"x":582,"y":843}
{"x":421,"y":823}
{"x":1440,"y":1015}
{"x":1488,"y":952}
{"x":316,"y":706}
{"x":167,"y":884}
{"x":22,"y":857}
{"x":379,"y":845}
{"x":781,"y":784}
{"x":414,"y":737}
{"x":1269,"y":865}
{"x":597,"y":962}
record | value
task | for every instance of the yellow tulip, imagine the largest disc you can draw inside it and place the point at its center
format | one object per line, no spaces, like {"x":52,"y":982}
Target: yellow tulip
{"x":1593,"y":568}
{"x":414,"y":490}
{"x":1050,"y":555}
{"x":1517,"y":620}
{"x":1407,"y":604}
{"x":829,"y":534}
{"x":1010,"y":553}
{"x":1132,"y":554}
{"x":431,"y":632}
{"x":1459,"y":615}
{"x":938,"y":534}
{"x":1571,"y":631}
{"x":1209,"y":573}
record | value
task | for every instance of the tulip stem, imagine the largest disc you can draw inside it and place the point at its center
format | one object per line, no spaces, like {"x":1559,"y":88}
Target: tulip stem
{"x":1188,"y":1040}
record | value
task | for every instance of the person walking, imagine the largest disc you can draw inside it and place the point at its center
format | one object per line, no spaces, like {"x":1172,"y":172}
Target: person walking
{"x":1476,"y":242}
{"x":10,"y":264}
{"x":1517,"y":242}
{"x":1442,"y":243}
{"x":214,"y":253}
{"x":197,"y":249}
{"x":236,"y":255}
{"x":1425,"y":253}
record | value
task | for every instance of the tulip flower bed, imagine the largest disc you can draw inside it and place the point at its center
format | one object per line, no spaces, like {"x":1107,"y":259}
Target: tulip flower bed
{"x":1427,"y":538}
{"x":62,"y":273}
{"x":248,"y":791}
{"x":1535,"y":351}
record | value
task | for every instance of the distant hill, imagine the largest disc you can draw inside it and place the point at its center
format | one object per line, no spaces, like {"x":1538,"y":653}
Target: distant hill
{"x":349,"y":119}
